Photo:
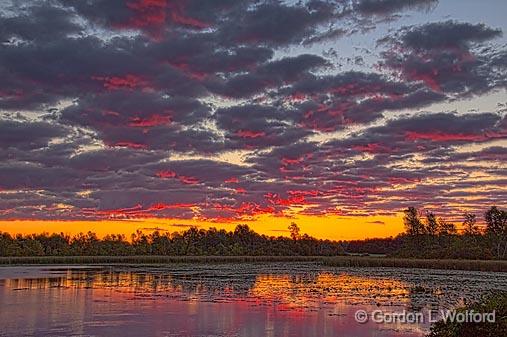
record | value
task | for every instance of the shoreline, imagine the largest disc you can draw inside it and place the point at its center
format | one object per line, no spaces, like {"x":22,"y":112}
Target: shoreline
{"x":335,"y":261}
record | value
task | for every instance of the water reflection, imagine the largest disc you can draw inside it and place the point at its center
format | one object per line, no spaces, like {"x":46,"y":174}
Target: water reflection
{"x":223,"y":300}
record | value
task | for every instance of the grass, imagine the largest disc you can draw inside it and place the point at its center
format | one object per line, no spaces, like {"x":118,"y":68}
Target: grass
{"x":338,"y":261}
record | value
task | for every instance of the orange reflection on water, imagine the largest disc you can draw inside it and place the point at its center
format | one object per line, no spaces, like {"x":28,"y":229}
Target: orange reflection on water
{"x":186,"y":302}
{"x":300,"y":292}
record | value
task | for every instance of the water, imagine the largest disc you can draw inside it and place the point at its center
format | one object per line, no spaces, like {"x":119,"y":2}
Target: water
{"x":250,"y":300}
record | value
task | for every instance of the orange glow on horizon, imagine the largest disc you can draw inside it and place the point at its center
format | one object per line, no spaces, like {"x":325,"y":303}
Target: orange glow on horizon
{"x":322,"y":227}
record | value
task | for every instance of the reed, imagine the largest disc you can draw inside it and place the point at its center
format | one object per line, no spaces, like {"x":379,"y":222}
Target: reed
{"x":150,"y":259}
{"x":447,"y":264}
{"x":335,"y":261}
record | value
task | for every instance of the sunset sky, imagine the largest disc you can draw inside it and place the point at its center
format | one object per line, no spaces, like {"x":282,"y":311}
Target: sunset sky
{"x":117,"y":115}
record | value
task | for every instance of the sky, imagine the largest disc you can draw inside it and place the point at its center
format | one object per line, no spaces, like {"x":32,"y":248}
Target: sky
{"x":163,"y":114}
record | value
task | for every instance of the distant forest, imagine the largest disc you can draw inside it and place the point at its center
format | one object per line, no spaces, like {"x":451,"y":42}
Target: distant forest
{"x":426,"y":236}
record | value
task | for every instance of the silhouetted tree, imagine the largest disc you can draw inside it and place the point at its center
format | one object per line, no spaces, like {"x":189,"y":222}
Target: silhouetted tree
{"x":140,"y":243}
{"x":421,"y":240}
{"x":190,"y":237}
{"x":413,"y":224}
{"x":294,"y":231}
{"x":431,"y":227}
{"x":193,"y":241}
{"x":470,"y":224}
{"x":496,"y":228}
{"x":446,"y":228}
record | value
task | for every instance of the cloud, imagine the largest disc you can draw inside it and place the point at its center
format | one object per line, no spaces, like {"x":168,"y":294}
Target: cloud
{"x":113,"y":159}
{"x":269,"y":75}
{"x":329,"y":103}
{"x":380,"y":7}
{"x":207,"y":171}
{"x":273,"y":23}
{"x":134,"y":109}
{"x":409,"y":160}
{"x":447,"y":34}
{"x":46,"y":72}
{"x":26,"y":135}
{"x":38,"y":23}
{"x":151,"y":16}
{"x":225,"y":110}
{"x":30,"y":176}
{"x":377,"y":222}
{"x":443,"y":56}
{"x":258,"y":125}
{"x":155,"y":17}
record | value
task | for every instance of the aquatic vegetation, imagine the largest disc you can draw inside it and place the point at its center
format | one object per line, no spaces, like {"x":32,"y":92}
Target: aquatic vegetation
{"x":364,"y":261}
{"x":495,"y":302}
{"x":336,"y":261}
{"x":261,"y":297}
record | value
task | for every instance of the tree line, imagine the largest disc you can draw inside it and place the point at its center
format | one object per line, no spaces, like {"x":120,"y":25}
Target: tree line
{"x":193,"y":241}
{"x":426,"y":236}
{"x":429,"y":236}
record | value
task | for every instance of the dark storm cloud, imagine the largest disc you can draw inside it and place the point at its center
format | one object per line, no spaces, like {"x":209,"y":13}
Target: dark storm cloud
{"x":269,"y":75}
{"x":45,"y":72}
{"x":53,"y":152}
{"x":490,"y":154}
{"x":30,"y":176}
{"x":38,"y":23}
{"x":290,"y":69}
{"x":259,"y":125}
{"x":157,"y":17}
{"x":163,"y":137}
{"x":273,"y":23}
{"x":448,"y":34}
{"x":329,"y":35}
{"x":255,"y":22}
{"x":27,"y":135}
{"x":444,"y":123}
{"x":116,"y":91}
{"x":390,"y":6}
{"x":368,"y":169}
{"x":105,"y":160}
{"x":103,"y":12}
{"x":201,"y":55}
{"x":134,"y":108}
{"x":445,"y":57}
{"x":193,"y":172}
{"x":424,"y":132}
{"x":145,"y":120}
{"x":292,"y":160}
{"x":151,"y":17}
{"x":41,"y":205}
{"x":329,"y":103}
{"x":249,"y":117}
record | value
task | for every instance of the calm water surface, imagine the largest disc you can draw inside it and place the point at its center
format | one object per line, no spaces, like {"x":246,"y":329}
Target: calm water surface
{"x":250,"y":300}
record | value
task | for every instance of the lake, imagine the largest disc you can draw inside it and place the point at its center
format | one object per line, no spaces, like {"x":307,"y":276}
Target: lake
{"x":250,"y":300}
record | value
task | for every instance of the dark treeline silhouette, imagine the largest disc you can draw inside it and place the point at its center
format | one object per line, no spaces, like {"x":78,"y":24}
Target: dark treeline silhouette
{"x":426,"y":236}
{"x":194,"y":241}
{"x":430,"y":237}
{"x":380,"y":246}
